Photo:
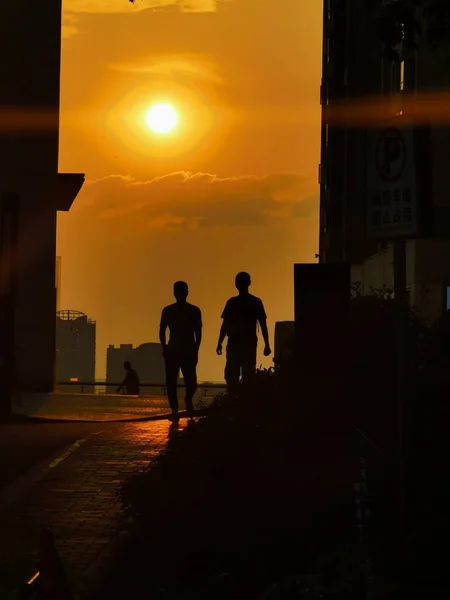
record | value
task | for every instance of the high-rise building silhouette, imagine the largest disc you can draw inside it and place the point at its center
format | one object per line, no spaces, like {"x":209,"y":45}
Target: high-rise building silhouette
{"x":361,"y":91}
{"x":75,"y":349}
{"x":146,"y":359}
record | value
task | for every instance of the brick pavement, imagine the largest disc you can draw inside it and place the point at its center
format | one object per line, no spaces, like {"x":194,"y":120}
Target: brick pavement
{"x":78,"y":500}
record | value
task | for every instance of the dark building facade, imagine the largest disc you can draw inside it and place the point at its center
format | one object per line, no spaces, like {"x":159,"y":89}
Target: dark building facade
{"x":147,"y":359}
{"x":58,"y":283}
{"x":360,"y":89}
{"x":31,"y":192}
{"x":75,"y":350}
{"x":284,"y":341}
{"x":351,"y":73}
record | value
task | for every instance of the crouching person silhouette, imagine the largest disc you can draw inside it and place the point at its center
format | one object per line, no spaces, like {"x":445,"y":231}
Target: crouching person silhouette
{"x":131,"y":382}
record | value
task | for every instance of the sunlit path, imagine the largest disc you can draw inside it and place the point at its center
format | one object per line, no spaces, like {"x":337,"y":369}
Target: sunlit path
{"x":93,"y":407}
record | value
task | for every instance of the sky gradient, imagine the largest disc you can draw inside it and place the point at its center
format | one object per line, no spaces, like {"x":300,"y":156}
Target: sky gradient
{"x":233,"y":188}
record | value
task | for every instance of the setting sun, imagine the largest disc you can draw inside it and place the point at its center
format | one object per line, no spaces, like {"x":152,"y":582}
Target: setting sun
{"x":161,"y":118}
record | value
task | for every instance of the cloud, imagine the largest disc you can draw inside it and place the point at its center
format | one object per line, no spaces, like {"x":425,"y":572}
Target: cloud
{"x":193,"y":66}
{"x":125,"y":6}
{"x":69,"y":25}
{"x":185,"y":200}
{"x":73,"y":9}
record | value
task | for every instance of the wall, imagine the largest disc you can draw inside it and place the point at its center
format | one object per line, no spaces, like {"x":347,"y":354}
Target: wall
{"x":30,"y":44}
{"x":428,"y":274}
{"x":284,"y":337}
{"x":377,"y":272}
{"x":35,"y":299}
{"x":432,"y":276}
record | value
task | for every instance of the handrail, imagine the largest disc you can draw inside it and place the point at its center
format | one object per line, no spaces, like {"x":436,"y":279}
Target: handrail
{"x":28,"y":589}
{"x":156,"y":385}
{"x":83,"y":384}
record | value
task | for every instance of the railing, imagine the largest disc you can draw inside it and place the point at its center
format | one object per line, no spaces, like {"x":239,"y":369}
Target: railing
{"x":29,"y":588}
{"x":89,"y":384}
{"x":50,"y":580}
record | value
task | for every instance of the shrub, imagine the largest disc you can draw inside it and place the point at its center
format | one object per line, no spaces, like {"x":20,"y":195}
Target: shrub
{"x":242,"y":483}
{"x":273,"y":470}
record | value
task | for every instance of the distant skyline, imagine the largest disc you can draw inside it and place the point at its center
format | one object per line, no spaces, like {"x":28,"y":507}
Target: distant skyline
{"x":233,"y":187}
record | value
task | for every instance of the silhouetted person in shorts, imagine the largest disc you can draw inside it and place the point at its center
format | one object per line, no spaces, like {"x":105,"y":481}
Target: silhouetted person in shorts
{"x":131,"y":382}
{"x":240,"y":317}
{"x":184,"y":321}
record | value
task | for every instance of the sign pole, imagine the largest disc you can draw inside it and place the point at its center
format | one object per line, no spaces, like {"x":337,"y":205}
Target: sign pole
{"x":394,"y":213}
{"x":401,"y":325}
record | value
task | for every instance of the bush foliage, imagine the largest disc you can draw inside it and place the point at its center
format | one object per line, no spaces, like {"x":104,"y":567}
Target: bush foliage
{"x":256,"y":499}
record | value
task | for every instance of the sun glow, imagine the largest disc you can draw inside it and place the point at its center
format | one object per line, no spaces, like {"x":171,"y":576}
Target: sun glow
{"x":161,"y":118}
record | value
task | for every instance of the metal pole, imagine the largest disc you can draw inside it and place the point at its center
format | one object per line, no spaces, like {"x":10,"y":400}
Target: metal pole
{"x":401,"y":312}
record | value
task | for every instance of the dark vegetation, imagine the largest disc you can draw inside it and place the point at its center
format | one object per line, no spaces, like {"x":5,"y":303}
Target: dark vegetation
{"x":257,"y":499}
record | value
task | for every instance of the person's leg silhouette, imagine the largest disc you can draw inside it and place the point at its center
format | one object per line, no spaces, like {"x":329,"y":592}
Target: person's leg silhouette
{"x":189,"y":371}
{"x":248,"y":360}
{"x":172,"y":370}
{"x":233,"y":370}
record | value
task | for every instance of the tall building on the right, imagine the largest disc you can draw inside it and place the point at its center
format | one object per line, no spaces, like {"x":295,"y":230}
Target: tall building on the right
{"x":383,"y":170}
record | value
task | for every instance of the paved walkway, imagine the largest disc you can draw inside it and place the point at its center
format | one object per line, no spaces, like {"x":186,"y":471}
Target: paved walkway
{"x":77,"y":497}
{"x":94,"y":407}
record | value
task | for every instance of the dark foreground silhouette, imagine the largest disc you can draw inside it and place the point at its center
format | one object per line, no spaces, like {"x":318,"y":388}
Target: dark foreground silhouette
{"x":278,"y":495}
{"x":184,"y":321}
{"x":241,"y":316}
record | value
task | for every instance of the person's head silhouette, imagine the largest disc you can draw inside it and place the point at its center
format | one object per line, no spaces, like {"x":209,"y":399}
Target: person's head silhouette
{"x":180,"y":291}
{"x":242,"y":282}
{"x":127,"y":365}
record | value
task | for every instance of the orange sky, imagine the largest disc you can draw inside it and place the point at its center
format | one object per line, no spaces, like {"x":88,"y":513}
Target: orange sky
{"x":235,"y":188}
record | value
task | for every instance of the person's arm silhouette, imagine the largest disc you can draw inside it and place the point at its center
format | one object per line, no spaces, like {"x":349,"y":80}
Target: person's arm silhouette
{"x":222,"y":336}
{"x":223,"y":329}
{"x":122,"y":386}
{"x":262,"y":319}
{"x":198,"y":331}
{"x":162,"y":331}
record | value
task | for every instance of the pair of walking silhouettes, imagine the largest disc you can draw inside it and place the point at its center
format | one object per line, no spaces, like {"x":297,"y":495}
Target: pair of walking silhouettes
{"x":241,"y":316}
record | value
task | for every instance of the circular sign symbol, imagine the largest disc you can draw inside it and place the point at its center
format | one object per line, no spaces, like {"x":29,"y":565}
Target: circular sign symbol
{"x":390,"y":154}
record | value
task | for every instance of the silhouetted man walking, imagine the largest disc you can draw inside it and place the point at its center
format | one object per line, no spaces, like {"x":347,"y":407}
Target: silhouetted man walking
{"x":240,"y":317}
{"x":184,"y":321}
{"x":131,"y":382}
